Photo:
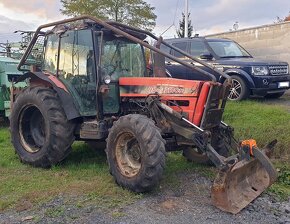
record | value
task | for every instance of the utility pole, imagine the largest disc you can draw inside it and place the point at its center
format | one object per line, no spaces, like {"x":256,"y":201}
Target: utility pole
{"x":186,"y":19}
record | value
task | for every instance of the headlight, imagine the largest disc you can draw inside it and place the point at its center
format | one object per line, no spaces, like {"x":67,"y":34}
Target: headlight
{"x":260,"y":70}
{"x":107,"y":79}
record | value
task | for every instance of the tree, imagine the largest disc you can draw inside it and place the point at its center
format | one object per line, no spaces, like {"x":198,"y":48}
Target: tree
{"x":135,"y":13}
{"x":281,"y":20}
{"x":180,"y":31}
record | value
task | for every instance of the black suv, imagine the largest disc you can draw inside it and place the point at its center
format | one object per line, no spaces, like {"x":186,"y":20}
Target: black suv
{"x":250,"y":76}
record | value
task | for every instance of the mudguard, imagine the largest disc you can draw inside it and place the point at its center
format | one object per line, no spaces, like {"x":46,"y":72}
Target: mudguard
{"x":67,"y":100}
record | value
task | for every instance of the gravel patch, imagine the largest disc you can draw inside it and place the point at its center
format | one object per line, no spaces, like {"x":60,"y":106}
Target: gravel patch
{"x":187,"y":203}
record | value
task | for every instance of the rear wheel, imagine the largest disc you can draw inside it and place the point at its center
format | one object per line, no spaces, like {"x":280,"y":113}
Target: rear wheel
{"x":274,"y":95}
{"x":40,"y":132}
{"x":239,"y":90}
{"x":136,"y":153}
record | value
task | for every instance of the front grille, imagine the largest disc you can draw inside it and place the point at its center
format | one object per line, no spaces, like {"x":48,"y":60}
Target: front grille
{"x":278,"y":69}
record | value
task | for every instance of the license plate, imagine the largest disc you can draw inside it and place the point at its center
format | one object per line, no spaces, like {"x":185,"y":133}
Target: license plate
{"x":283,"y":84}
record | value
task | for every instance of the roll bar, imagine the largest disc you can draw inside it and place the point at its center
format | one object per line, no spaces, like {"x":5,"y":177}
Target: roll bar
{"x":115,"y":27}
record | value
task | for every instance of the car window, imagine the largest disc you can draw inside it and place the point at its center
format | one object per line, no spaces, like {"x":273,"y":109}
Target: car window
{"x":164,"y":48}
{"x":181,"y":46}
{"x":197,"y":48}
{"x":228,"y":49}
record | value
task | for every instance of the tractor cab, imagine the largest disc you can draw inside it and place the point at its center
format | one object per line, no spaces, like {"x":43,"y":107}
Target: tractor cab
{"x":88,"y":60}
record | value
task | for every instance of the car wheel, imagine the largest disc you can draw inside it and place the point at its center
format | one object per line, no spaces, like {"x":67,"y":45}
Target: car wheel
{"x":239,"y":90}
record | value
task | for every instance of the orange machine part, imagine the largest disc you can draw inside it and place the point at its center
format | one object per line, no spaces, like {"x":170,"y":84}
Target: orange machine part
{"x":201,"y":103}
{"x":195,"y":93}
{"x":249,"y":143}
{"x":162,"y":86}
{"x":189,"y":110}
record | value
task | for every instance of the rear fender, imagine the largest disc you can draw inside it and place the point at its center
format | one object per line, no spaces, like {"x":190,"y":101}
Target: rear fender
{"x":67,"y":101}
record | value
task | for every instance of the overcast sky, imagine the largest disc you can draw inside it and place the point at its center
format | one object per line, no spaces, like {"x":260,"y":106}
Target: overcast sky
{"x":207,"y":16}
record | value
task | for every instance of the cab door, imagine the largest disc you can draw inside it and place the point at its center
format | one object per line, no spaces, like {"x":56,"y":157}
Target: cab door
{"x":77,"y":69}
{"x":119,"y":58}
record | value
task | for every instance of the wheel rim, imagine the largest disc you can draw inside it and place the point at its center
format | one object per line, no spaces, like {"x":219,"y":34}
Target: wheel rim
{"x":128,"y":154}
{"x":32,"y":129}
{"x":236,"y":90}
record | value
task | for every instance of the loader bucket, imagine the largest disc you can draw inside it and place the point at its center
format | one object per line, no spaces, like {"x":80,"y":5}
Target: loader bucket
{"x":235,"y":188}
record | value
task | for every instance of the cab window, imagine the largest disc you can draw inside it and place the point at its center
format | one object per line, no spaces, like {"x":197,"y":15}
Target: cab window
{"x":77,"y":68}
{"x":51,"y":52}
{"x":121,"y":58}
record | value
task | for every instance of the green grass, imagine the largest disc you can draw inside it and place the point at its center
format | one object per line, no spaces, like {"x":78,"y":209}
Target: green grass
{"x":252,"y":119}
{"x":281,"y":188}
{"x":85,"y":172}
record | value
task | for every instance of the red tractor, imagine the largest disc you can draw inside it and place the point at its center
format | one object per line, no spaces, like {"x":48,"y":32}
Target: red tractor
{"x":88,"y":81}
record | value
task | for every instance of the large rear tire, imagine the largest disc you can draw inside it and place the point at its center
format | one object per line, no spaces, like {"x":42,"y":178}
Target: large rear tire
{"x":136,"y":153}
{"x":40,"y":132}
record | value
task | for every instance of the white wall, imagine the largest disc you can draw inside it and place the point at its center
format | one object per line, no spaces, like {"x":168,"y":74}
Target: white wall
{"x":266,"y":42}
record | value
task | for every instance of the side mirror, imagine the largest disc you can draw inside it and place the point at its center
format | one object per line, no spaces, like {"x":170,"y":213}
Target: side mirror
{"x":206,"y":56}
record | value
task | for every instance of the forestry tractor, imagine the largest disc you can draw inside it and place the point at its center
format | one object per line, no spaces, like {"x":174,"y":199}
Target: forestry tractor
{"x":88,"y":81}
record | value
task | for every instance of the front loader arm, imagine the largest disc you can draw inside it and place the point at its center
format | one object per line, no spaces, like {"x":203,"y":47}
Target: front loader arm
{"x":241,"y":178}
{"x":168,"y":120}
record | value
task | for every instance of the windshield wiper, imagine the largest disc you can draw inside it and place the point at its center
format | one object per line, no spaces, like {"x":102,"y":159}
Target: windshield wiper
{"x":232,"y":56}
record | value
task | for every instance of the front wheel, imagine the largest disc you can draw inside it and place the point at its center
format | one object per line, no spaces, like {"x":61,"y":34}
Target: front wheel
{"x":239,"y":90}
{"x":136,"y":153}
{"x":40,"y":132}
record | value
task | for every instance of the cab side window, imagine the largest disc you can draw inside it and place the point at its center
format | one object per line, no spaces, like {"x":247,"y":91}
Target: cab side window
{"x":51,"y":54}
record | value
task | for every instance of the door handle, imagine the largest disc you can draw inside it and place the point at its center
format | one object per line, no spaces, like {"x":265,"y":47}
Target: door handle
{"x":168,"y":63}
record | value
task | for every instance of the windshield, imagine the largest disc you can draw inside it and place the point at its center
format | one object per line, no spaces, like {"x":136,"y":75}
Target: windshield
{"x":228,"y":49}
{"x":121,"y":58}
